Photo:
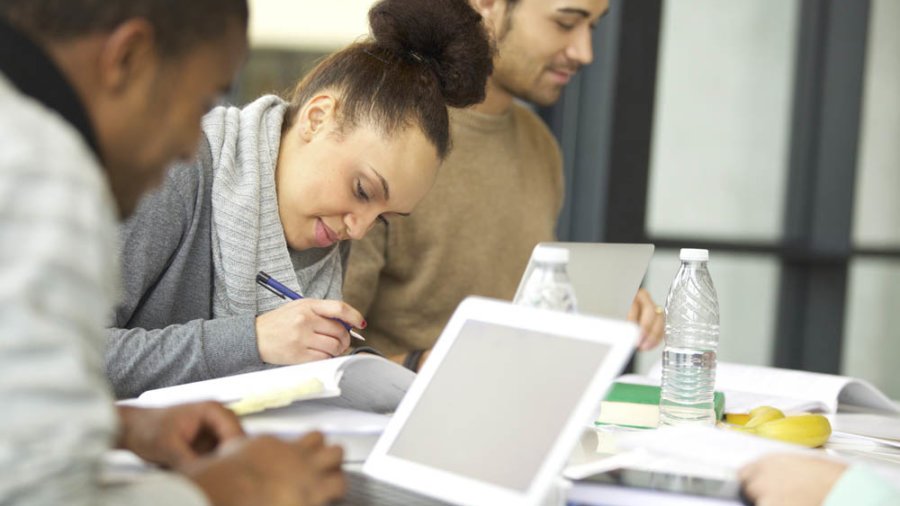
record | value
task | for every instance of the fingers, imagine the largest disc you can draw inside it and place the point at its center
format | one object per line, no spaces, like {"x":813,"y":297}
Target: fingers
{"x":218,"y":425}
{"x":325,"y":462}
{"x":196,"y":429}
{"x":328,"y":458}
{"x":301,"y":331}
{"x":222,"y":422}
{"x":311,"y":441}
{"x":327,"y":346}
{"x":658,"y":330}
{"x":322,"y":456}
{"x":340,"y":310}
{"x":178,"y":451}
{"x":653,"y":325}
{"x":331,"y":484}
{"x":746,"y":472}
{"x":330,"y":488}
{"x":640,"y":306}
{"x":635,"y":310}
{"x":649,"y":317}
{"x":336,"y":331}
{"x":749,"y":484}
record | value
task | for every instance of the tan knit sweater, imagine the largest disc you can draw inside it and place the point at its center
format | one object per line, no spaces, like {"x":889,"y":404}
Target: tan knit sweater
{"x":497,"y":195}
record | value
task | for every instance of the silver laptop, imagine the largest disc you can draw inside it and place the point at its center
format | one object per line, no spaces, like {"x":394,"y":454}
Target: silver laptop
{"x":497,"y":409}
{"x":605,"y":276}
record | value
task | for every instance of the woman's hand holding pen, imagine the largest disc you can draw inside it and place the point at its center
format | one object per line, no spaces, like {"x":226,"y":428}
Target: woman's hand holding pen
{"x":305,"y":330}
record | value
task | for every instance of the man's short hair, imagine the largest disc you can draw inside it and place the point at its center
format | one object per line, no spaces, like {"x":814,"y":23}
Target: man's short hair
{"x":179,"y":24}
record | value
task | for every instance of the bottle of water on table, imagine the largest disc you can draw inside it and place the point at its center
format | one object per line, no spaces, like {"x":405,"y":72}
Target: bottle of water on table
{"x":548,"y":285}
{"x":692,"y":337}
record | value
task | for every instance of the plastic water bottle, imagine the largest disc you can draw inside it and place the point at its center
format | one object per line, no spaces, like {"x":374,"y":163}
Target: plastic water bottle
{"x":692,"y":336}
{"x":548,"y":285}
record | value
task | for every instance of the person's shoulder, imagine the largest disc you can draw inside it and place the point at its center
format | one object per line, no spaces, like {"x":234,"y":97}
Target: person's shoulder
{"x":534,"y":129}
{"x":46,"y":164}
{"x":186,"y":183}
{"x":527,"y":119}
{"x":194,"y":174}
{"x":38,"y":138}
{"x":524,"y":111}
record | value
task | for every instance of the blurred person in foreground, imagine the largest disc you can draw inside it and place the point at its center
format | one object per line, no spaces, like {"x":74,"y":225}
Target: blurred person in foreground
{"x":793,"y":480}
{"x":96,"y":98}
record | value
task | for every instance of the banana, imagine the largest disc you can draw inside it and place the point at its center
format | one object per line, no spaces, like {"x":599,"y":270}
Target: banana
{"x":807,"y":430}
{"x":763,"y":414}
{"x":737,"y":418}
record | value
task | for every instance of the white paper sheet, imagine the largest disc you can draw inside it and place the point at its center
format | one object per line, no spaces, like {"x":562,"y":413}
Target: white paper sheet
{"x":720,"y":448}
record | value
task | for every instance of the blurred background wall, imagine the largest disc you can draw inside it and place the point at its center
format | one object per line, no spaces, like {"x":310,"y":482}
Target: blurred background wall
{"x":765,"y":130}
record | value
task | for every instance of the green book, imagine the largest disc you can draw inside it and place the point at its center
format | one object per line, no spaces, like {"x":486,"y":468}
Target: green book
{"x":632,"y":405}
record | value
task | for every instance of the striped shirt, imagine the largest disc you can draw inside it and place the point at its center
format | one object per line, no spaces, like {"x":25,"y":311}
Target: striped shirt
{"x":58,"y":283}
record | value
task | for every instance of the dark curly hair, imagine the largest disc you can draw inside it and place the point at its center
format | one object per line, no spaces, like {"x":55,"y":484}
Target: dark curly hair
{"x":422,"y":56}
{"x":178,"y":24}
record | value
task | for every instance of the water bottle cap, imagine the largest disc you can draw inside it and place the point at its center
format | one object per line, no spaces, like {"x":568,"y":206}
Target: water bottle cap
{"x":551,"y":255}
{"x":694,"y":255}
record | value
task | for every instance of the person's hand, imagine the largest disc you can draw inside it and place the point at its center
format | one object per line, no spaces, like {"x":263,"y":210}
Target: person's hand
{"x":401,"y":359}
{"x":271,"y":471}
{"x":422,"y":359}
{"x":650,"y":317}
{"x":303,"y":331}
{"x":176,"y":436}
{"x":790,"y":480}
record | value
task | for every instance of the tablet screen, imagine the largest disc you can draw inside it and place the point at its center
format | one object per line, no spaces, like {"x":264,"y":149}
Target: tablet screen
{"x":480,"y":411}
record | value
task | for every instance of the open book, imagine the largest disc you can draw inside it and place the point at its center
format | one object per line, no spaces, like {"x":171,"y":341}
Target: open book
{"x":362,"y":382}
{"x":749,"y":386}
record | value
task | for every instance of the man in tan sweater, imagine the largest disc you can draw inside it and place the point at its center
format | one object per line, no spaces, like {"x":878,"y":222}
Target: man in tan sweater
{"x":497,"y":195}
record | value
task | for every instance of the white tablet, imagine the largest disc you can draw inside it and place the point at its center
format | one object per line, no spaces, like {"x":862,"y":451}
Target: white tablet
{"x":500,"y":403}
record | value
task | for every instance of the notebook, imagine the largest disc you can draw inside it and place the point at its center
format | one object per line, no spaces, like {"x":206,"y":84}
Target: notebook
{"x":499,"y":405}
{"x":605,"y":276}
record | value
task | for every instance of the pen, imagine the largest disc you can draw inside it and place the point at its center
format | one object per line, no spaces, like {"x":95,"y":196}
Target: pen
{"x":270,"y":284}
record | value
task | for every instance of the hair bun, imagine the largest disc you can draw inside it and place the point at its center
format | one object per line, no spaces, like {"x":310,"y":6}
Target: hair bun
{"x":447,"y":35}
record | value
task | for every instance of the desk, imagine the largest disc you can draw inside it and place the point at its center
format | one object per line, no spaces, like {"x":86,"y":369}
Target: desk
{"x":124,"y":466}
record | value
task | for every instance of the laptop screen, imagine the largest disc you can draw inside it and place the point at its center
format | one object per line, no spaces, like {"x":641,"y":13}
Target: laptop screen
{"x":480,"y":405}
{"x":605,"y":276}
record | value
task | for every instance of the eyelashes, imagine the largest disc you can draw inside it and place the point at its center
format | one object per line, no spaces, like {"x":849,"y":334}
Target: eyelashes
{"x":363,"y":196}
{"x":361,"y":193}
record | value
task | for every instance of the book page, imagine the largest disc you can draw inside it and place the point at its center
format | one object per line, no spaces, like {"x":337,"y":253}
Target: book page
{"x":303,"y":417}
{"x":373,"y":384}
{"x":880,"y":427}
{"x":233,"y":388}
{"x":719,"y":448}
{"x":749,"y":386}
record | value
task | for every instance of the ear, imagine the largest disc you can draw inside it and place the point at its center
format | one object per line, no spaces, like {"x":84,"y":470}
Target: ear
{"x":493,"y":11}
{"x":317,"y":116}
{"x":128,"y":53}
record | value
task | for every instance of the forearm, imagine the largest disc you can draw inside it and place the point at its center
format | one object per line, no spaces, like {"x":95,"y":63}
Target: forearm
{"x":862,"y":486}
{"x":124,"y":413}
{"x":138,"y":359}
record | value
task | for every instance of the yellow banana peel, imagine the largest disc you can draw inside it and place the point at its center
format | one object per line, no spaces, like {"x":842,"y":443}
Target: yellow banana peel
{"x":761,"y":415}
{"x":755,"y":417}
{"x":807,"y":430}
{"x":737,"y":418}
